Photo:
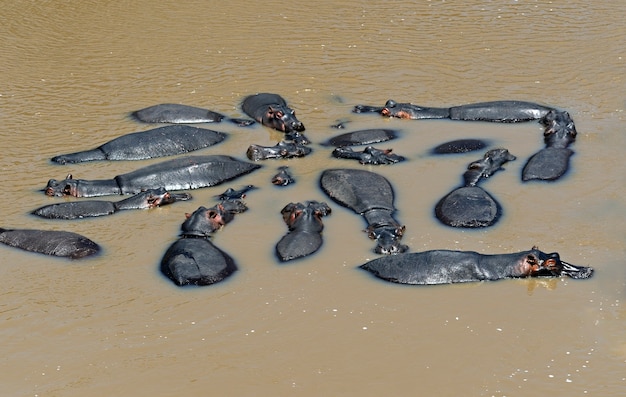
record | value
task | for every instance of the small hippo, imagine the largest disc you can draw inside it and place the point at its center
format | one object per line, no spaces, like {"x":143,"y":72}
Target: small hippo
{"x":470,"y":205}
{"x":282,"y":150}
{"x":272,"y":111}
{"x":193,"y":259}
{"x":305,"y":229}
{"x":370,"y":155}
{"x":50,"y":242}
{"x":283,"y":177}
{"x":552,"y":162}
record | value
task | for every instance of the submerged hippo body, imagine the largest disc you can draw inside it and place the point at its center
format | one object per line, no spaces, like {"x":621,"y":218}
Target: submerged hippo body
{"x":272,"y":111}
{"x":182,"y":114}
{"x":159,"y":142}
{"x":371,"y":196}
{"x":370,"y":155}
{"x":191,"y":172}
{"x":193,"y":259}
{"x":362,"y":137}
{"x":282,"y":150}
{"x":84,"y":209}
{"x":460,"y":146}
{"x":499,"y":111}
{"x":471,"y":206}
{"x":48,"y":242}
{"x":445,"y":267}
{"x":552,"y":162}
{"x":305,"y":229}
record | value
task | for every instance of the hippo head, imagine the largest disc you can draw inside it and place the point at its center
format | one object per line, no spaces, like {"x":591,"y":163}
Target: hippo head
{"x":204,"y":221}
{"x":540,"y":264}
{"x":560,"y":129}
{"x":305,"y":216}
{"x":160,"y":196}
{"x":65,"y":187}
{"x":282,"y":118}
{"x":400,"y":110}
{"x":388,"y":239}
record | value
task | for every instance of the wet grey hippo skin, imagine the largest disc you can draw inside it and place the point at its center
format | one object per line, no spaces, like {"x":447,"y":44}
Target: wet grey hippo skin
{"x":283,"y":177}
{"x":371,"y":196}
{"x":159,"y":142}
{"x":305,"y":229}
{"x":193,"y":259}
{"x":85,"y":209}
{"x":470,"y":205}
{"x":272,"y":111}
{"x":369,"y":156}
{"x":362,"y":137}
{"x":49,"y":242}
{"x":444,"y":267}
{"x":191,"y":172}
{"x":459,"y":146}
{"x":552,"y":162}
{"x":232,"y":194}
{"x":182,"y":114}
{"x":282,"y":150}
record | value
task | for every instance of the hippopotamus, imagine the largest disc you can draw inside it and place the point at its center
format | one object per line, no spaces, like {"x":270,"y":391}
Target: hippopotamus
{"x":272,"y":111}
{"x":49,"y":242}
{"x":362,"y":137}
{"x":282,"y":150}
{"x":191,"y":172}
{"x":159,"y":142}
{"x":459,"y":146}
{"x":471,"y":205}
{"x":445,"y":267}
{"x":369,"y":155}
{"x":193,"y":259}
{"x":305,"y":229}
{"x":232,"y":194}
{"x":283,"y":177}
{"x":84,"y":209}
{"x":552,"y":162}
{"x":183,"y":114}
{"x":496,"y":111}
{"x":370,"y":195}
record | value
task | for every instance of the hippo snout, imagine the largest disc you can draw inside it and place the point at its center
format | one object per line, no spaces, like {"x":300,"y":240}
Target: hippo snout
{"x":297,"y":126}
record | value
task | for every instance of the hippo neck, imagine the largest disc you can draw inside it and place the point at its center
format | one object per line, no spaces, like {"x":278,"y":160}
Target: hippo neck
{"x":93,"y":188}
{"x":136,"y":202}
{"x":380,"y":217}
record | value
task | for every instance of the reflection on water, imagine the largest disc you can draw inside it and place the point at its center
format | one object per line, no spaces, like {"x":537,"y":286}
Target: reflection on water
{"x":73,"y":72}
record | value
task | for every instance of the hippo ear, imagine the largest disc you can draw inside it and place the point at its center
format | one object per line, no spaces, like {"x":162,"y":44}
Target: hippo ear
{"x":69,"y":176}
{"x":187,"y":215}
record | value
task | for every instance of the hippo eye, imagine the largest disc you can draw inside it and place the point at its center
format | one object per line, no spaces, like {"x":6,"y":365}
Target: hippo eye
{"x":67,"y":190}
{"x":531,"y":260}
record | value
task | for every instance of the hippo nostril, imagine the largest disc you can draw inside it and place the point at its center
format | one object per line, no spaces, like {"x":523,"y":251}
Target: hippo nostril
{"x":298,"y":126}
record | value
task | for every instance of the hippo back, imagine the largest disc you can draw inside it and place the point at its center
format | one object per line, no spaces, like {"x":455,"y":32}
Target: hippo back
{"x":359,"y":190}
{"x":256,"y":105}
{"x":191,"y":172}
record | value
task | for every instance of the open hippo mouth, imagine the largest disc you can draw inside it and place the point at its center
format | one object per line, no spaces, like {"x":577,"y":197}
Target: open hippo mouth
{"x":167,"y":198}
{"x":576,"y":272}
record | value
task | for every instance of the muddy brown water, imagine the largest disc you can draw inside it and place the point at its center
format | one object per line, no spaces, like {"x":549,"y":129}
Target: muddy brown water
{"x":112,"y":325}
